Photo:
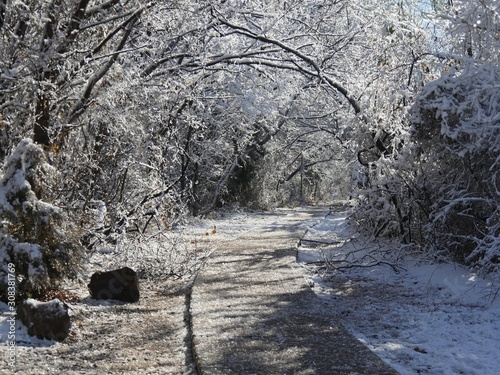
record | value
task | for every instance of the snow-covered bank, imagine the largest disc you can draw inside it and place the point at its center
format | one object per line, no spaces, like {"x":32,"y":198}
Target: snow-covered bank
{"x":423,"y":319}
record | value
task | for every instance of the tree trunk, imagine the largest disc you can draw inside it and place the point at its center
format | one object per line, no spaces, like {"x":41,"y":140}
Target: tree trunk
{"x":42,"y":122}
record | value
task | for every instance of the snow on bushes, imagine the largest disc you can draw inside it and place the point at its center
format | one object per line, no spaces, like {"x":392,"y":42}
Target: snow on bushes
{"x":456,"y":123}
{"x":441,"y":191}
{"x":463,"y":111}
{"x":31,"y":232}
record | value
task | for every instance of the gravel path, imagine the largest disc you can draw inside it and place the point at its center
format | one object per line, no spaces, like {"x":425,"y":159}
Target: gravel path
{"x":253,"y":313}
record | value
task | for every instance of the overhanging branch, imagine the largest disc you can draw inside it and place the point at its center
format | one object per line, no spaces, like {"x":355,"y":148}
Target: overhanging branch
{"x":314,"y":68}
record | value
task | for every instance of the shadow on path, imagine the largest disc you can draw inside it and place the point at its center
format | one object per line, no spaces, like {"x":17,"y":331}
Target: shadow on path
{"x":253,"y":313}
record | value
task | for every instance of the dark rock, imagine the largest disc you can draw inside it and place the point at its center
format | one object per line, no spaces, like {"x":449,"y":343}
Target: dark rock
{"x":121,"y":284}
{"x":46,"y":320}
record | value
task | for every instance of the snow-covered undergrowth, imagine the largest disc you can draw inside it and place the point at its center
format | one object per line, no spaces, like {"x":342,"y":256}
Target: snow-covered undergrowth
{"x":419,"y":317}
{"x":155,"y":255}
{"x":36,"y":237}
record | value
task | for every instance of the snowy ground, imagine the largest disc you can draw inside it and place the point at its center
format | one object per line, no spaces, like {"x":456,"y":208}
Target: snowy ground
{"x":110,"y":337}
{"x":421,"y":318}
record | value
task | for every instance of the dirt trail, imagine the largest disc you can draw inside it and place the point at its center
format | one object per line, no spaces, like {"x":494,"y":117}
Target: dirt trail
{"x":250,"y":311}
{"x":253,"y":313}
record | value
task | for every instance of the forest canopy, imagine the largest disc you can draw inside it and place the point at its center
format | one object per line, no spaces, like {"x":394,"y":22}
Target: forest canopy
{"x":120,"y":115}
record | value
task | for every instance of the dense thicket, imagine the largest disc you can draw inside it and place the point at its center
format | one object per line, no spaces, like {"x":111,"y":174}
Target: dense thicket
{"x":433,"y":181}
{"x":149,"y":111}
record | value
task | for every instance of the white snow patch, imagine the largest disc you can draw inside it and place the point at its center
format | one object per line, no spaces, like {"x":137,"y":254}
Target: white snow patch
{"x":426,"y":319}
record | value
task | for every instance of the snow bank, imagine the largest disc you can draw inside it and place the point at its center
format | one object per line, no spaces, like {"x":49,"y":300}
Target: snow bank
{"x":426,"y":319}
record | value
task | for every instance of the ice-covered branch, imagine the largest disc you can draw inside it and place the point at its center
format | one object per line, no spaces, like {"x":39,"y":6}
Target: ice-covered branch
{"x":314,"y":68}
{"x":81,"y":104}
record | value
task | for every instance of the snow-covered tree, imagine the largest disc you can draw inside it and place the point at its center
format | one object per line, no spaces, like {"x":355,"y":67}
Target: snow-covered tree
{"x":34,"y":235}
{"x":474,"y":29}
{"x":457,"y":135}
{"x":435,"y":185}
{"x":53,"y":55}
{"x":150,"y":110}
